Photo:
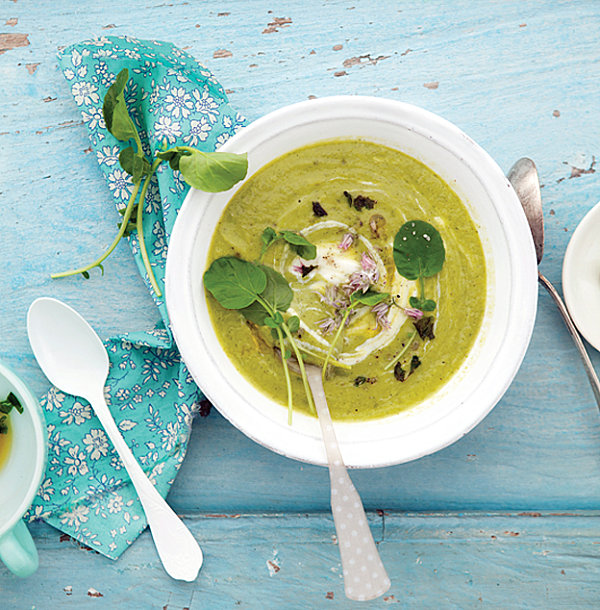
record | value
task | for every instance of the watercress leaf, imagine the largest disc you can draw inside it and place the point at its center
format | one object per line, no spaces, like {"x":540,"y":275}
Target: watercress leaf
{"x":134,"y":164}
{"x":428,"y":305}
{"x":255,"y":313}
{"x":300,"y":244}
{"x":86,"y":275}
{"x":277,"y":292}
{"x":370,"y":298}
{"x":114,"y":110}
{"x":270,"y":322}
{"x":293,"y":324}
{"x":172,"y":156}
{"x":287,"y":354}
{"x":278,"y":318}
{"x":415,"y":302}
{"x":269,"y":235}
{"x":167,"y":155}
{"x":234,"y":282}
{"x":213,"y":172}
{"x":418,"y":250}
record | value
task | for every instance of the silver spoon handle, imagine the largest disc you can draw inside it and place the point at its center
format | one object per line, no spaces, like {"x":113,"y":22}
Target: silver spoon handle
{"x":562,"y":308}
{"x":365,"y":576}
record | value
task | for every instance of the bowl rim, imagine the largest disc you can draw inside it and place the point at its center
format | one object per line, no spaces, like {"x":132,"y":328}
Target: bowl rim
{"x":520,"y":327}
{"x":32,"y":405}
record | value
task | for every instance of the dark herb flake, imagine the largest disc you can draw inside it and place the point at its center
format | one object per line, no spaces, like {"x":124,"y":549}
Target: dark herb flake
{"x":424,"y":327}
{"x":318,"y":209}
{"x":359,"y":381}
{"x":360,"y":202}
{"x":399,"y":372}
{"x":306,"y":269}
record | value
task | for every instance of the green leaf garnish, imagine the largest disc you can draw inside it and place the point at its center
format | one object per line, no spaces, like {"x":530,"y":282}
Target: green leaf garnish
{"x":134,"y":164}
{"x":212,"y":172}
{"x":300,"y":244}
{"x":418,"y":250}
{"x":369,"y":298}
{"x":269,"y":235}
{"x":9,"y":403}
{"x":114,"y":110}
{"x":293,"y":324}
{"x":234,"y":282}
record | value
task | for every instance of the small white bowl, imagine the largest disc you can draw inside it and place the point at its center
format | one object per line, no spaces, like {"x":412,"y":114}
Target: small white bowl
{"x":581,"y":276}
{"x":511,"y":285}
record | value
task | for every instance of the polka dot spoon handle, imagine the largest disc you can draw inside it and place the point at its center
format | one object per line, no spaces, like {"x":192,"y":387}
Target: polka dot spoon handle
{"x":364,"y":574}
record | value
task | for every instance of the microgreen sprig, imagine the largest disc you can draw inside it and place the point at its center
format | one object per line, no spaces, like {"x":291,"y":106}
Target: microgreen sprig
{"x":298,"y":243}
{"x":419,"y":253}
{"x":6,"y":406}
{"x":370,"y":298}
{"x":211,"y":172}
{"x":262,"y":295}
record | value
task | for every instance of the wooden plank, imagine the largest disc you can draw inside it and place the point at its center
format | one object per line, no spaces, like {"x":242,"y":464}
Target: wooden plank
{"x":467,"y":560}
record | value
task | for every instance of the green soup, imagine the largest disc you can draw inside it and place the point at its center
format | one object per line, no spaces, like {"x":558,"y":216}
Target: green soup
{"x":395,"y":188}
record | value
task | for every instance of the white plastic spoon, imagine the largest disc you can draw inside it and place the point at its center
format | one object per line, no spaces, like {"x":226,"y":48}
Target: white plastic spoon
{"x":364,"y":573}
{"x":74,"y":359}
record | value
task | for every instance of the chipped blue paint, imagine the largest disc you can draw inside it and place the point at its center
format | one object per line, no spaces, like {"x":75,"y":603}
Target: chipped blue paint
{"x":521,"y":79}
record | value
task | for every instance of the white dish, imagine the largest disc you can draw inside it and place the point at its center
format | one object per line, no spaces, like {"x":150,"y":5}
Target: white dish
{"x":511,"y":286}
{"x":581,"y":276}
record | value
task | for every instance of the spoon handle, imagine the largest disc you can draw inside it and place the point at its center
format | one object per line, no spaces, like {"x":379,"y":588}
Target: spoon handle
{"x":587,"y":363}
{"x":178,"y":550}
{"x":364,"y":573}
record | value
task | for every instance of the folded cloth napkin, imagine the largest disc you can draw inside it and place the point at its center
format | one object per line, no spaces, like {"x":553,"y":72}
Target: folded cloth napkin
{"x":86,"y":491}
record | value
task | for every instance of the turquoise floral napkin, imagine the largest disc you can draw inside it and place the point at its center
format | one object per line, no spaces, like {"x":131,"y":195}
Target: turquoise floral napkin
{"x":86,"y":492}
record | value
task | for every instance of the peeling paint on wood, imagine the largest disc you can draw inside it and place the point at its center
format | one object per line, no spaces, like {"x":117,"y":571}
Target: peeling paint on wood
{"x":12,"y":41}
{"x":12,"y":21}
{"x":277,"y":24}
{"x":94,"y":593}
{"x":31,"y":68}
{"x":432,"y":85}
{"x":220,"y":53}
{"x":363,"y":60}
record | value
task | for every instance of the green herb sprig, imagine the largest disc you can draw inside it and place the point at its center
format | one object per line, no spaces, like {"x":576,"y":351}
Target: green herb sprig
{"x":419,"y":253}
{"x":6,"y":406}
{"x":262,"y":295}
{"x":370,"y":298}
{"x":298,"y":243}
{"x":211,"y":172}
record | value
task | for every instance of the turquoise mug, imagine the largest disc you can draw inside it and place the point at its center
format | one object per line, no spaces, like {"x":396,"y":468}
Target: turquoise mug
{"x":20,"y":475}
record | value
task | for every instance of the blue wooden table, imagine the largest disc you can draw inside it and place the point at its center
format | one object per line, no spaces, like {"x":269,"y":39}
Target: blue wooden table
{"x":506,"y":517}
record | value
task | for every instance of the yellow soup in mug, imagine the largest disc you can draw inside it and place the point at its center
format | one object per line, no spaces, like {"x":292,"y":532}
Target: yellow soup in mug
{"x":349,"y":198}
{"x":5,"y":441}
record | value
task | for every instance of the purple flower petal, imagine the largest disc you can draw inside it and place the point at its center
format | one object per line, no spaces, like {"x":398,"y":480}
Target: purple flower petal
{"x":411,"y":312}
{"x":346,"y":242}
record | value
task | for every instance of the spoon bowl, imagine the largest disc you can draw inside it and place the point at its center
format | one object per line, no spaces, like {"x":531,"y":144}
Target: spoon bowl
{"x":82,"y":362}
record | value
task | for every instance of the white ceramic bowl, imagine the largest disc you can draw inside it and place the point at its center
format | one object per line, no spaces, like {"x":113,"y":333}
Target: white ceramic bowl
{"x":511,"y":286}
{"x":581,"y":276}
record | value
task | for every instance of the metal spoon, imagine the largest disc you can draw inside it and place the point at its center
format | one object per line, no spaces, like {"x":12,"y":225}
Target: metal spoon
{"x":74,"y":359}
{"x":524,"y":178}
{"x":365,"y":576}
